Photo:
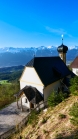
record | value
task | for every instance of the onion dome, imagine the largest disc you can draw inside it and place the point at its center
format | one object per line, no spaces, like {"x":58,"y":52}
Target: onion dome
{"x":62,"y":48}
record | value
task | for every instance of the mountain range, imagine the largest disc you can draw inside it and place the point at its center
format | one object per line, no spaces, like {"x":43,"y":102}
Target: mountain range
{"x":10,"y":56}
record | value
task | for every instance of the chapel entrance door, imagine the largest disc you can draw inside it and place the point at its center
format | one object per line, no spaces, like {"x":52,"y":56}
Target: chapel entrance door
{"x":31,"y":105}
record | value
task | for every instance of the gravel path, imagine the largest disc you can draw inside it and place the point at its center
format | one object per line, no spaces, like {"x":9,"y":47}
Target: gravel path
{"x":10,"y":117}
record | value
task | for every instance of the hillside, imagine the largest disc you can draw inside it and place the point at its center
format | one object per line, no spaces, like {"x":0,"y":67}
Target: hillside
{"x":11,"y":73}
{"x":52,"y":124}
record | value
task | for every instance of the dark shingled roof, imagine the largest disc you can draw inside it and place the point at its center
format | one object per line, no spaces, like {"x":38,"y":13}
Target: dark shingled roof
{"x":62,"y":48}
{"x":74,"y":64}
{"x":31,"y":93}
{"x":49,"y":69}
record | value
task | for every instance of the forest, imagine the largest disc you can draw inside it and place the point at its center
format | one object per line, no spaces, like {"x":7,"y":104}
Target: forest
{"x":9,"y":84}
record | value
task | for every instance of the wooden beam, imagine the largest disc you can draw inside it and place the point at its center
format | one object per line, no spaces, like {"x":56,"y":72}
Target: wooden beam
{"x":21,"y":105}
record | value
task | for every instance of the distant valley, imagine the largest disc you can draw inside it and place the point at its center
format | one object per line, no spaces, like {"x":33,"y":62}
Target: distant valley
{"x":10,"y":56}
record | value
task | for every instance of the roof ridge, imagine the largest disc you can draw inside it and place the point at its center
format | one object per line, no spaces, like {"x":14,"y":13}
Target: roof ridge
{"x":31,"y":62}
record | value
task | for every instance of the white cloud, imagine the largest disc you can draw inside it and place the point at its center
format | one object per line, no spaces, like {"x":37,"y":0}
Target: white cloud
{"x":58,"y":31}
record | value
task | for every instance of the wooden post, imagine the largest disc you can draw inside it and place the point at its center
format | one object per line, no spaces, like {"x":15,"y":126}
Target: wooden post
{"x":21,"y":105}
{"x":17,"y":102}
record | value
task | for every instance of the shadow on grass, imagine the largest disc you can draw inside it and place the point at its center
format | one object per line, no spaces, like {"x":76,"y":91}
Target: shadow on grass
{"x":73,"y":135}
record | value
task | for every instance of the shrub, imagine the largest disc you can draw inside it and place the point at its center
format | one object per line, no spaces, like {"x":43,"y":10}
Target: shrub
{"x":62,"y":116}
{"x":33,"y":117}
{"x":74,"y":113}
{"x":44,"y":120}
{"x":74,"y":85}
{"x":55,"y":98}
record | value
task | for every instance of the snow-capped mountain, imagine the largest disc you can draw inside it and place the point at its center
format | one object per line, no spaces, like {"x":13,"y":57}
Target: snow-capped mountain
{"x":73,"y":47}
{"x":16,"y":50}
{"x":10,"y":56}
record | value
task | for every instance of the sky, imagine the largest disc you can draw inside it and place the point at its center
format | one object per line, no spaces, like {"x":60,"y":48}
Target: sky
{"x":34,"y":23}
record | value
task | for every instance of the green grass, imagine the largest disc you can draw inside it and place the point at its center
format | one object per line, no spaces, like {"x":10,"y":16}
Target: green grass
{"x":4,"y":82}
{"x":7,"y":92}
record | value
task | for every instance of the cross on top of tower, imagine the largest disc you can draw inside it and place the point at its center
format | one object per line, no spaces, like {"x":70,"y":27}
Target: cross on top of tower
{"x":62,"y":38}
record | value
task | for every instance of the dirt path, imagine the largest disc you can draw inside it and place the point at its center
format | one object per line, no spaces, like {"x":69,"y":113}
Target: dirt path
{"x":10,"y":117}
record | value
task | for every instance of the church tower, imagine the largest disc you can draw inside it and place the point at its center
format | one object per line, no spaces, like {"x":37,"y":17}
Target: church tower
{"x":62,"y":49}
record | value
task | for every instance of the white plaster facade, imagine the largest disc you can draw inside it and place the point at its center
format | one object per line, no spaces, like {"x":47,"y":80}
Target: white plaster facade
{"x":52,"y":87}
{"x":31,"y":78}
{"x":75,"y":71}
{"x":25,"y":101}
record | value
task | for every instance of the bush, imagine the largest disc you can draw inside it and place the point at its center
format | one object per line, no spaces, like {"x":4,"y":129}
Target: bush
{"x":62,"y":116}
{"x":74,"y":113}
{"x":74,"y":85}
{"x":33,"y":117}
{"x":55,"y":98}
{"x":44,"y":120}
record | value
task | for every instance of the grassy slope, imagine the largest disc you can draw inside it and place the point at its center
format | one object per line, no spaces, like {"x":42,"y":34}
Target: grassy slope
{"x":54,"y":127}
